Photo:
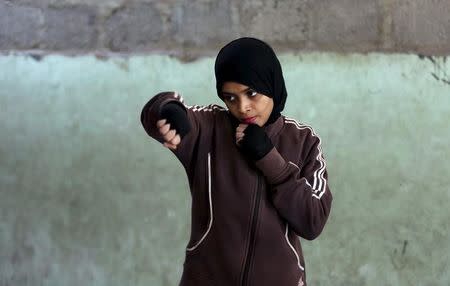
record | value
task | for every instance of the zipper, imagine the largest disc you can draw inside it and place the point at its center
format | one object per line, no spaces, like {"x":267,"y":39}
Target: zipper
{"x":249,"y":255}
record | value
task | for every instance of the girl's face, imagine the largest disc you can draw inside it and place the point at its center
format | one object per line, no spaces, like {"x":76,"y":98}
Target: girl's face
{"x":245,"y":104}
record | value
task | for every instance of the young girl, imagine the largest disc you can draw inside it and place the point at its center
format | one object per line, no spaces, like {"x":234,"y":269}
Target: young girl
{"x":257,"y":178}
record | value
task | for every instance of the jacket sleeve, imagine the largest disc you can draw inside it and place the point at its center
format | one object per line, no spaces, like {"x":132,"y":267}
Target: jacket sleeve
{"x":199,"y":119}
{"x":300,"y":193}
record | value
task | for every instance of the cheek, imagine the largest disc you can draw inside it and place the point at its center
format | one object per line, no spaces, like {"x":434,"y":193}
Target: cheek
{"x":268,"y":106}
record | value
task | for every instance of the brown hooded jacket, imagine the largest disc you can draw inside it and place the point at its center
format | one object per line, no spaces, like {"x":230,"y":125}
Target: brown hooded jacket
{"x":247,"y":216}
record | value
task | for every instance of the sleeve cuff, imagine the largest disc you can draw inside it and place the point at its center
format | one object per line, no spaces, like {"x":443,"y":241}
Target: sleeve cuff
{"x":273,"y":166}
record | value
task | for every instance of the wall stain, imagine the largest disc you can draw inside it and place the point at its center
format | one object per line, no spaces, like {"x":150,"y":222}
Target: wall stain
{"x":435,"y":76}
{"x":36,"y":57}
{"x":122,"y":64}
{"x":399,"y":260}
{"x":101,"y":56}
{"x":439,"y":64}
{"x":405,"y":243}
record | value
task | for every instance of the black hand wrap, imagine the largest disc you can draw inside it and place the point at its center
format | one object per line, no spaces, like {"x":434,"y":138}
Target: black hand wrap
{"x":176,"y":116}
{"x":255,"y":144}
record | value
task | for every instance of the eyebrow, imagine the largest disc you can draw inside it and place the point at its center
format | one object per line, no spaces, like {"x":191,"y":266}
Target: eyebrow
{"x":242,"y":91}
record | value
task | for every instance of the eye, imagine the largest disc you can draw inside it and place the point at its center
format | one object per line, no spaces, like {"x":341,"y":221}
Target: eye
{"x":251,"y":93}
{"x":229,"y":98}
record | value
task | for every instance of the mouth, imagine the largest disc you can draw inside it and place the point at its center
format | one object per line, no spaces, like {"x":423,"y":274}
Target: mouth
{"x":249,"y":120}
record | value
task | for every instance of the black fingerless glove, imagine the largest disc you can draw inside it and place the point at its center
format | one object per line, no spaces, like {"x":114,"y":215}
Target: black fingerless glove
{"x":255,"y":144}
{"x":176,"y":116}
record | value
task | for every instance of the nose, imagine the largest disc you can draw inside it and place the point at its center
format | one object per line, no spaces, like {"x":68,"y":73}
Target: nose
{"x":244,"y":105}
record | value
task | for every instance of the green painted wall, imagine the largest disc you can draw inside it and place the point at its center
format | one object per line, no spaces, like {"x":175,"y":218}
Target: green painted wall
{"x":88,"y":199}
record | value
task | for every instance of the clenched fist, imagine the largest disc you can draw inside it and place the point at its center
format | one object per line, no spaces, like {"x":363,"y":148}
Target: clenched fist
{"x":240,"y":132}
{"x":173,"y":125}
{"x":171,"y":138}
{"x":253,"y":141}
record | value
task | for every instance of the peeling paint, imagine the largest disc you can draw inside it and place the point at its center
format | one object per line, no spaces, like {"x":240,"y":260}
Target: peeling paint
{"x":441,"y":68}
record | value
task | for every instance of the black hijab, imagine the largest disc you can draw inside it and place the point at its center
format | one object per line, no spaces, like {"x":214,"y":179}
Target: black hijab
{"x":253,"y":63}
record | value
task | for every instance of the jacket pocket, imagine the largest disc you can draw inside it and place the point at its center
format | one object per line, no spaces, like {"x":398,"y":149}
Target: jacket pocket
{"x":194,"y":245}
{"x":300,"y":266}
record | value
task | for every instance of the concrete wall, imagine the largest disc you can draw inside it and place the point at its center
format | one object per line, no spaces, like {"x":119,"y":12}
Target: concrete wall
{"x":88,"y":199}
{"x":188,"y":29}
